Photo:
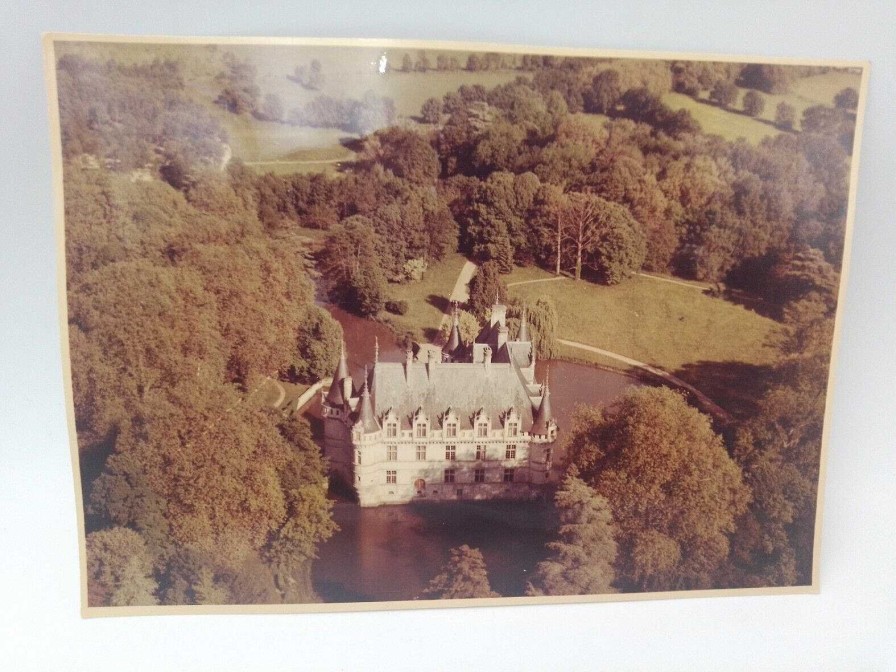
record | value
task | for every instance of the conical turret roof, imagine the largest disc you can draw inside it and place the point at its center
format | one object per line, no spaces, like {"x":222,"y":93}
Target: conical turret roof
{"x":335,"y":396}
{"x":543,"y":415}
{"x":454,"y":338}
{"x":524,"y":328}
{"x":366,"y":416}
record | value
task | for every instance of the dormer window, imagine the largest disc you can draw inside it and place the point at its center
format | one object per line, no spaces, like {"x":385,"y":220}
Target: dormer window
{"x":451,"y":430}
{"x":420,"y":423}
{"x":513,"y":428}
{"x":481,"y":429}
{"x":390,"y":424}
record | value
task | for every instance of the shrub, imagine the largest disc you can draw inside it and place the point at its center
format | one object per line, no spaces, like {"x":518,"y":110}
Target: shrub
{"x":397,"y":307}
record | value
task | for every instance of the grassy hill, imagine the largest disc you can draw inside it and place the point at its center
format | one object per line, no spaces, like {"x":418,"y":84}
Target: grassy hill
{"x":733,"y":124}
{"x":661,"y":323}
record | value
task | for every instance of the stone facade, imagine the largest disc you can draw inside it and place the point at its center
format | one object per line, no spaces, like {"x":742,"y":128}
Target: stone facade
{"x":466,"y":422}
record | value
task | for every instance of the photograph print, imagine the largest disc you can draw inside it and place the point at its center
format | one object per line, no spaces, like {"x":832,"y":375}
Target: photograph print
{"x":388,"y":325}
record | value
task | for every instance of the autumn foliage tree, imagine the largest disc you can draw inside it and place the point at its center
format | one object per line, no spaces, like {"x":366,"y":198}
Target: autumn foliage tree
{"x":674,"y":492}
{"x":601,"y":236}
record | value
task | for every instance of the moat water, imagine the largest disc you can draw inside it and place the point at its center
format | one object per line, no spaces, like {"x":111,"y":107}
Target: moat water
{"x":391,"y":552}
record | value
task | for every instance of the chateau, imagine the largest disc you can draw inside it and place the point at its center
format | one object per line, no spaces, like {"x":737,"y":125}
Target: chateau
{"x":466,"y":422}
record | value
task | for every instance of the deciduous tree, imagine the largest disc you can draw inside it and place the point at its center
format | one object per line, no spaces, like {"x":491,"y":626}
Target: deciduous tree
{"x":674,"y":492}
{"x":119,"y":569}
{"x":754,"y":103}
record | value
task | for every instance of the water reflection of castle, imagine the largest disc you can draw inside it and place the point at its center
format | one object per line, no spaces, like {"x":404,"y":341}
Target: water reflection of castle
{"x":466,"y":422}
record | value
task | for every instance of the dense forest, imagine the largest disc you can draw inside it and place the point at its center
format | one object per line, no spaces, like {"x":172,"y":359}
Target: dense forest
{"x":188,"y":285}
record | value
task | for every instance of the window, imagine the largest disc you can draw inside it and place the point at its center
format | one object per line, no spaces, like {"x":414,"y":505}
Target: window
{"x":391,"y":430}
{"x":480,"y":452}
{"x":513,"y":429}
{"x":548,"y":454}
{"x":451,"y":430}
{"x":482,"y":429}
{"x":479,"y":476}
{"x":391,"y":453}
{"x":421,"y":452}
{"x":451,"y":453}
{"x":449,"y":475}
{"x":508,"y":475}
{"x":358,"y":457}
{"x":510,"y":452}
{"x":390,"y":476}
{"x":421,"y":431}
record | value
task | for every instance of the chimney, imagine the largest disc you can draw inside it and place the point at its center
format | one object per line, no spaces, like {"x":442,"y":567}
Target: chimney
{"x":499,"y":314}
{"x":502,"y":336}
{"x":431,"y":360}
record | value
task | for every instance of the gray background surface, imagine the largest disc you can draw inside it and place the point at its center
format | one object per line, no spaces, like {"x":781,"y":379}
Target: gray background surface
{"x":850,"y":625}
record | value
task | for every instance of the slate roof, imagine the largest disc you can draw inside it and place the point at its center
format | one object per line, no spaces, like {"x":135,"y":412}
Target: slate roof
{"x":465,"y":388}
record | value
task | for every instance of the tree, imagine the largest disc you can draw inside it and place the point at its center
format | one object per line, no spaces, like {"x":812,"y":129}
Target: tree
{"x":754,"y":103}
{"x":581,"y":560}
{"x":423,"y":63}
{"x":119,"y":569}
{"x":847,"y":99}
{"x":350,"y":263}
{"x":317,"y":345}
{"x":271,"y":108}
{"x":766,"y":77}
{"x":475,"y":63}
{"x":311,"y":76}
{"x":821,"y":119}
{"x":240,"y":92}
{"x":674,"y":492}
{"x":464,"y":576}
{"x":467,"y":324}
{"x":785,"y":115}
{"x":779,"y":450}
{"x":431,"y":111}
{"x":603,"y":237}
{"x":407,"y":154}
{"x":486,"y":287}
{"x":723,"y":93}
{"x":542,"y":320}
{"x":605,"y":92}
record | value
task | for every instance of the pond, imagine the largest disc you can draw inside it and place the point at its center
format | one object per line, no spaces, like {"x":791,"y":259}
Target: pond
{"x":391,"y":552}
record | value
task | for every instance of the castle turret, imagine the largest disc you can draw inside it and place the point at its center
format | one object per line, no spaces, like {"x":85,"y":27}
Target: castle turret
{"x":453,"y":340}
{"x":524,"y":328}
{"x":366,"y":417}
{"x":544,"y":417}
{"x":336,"y":396}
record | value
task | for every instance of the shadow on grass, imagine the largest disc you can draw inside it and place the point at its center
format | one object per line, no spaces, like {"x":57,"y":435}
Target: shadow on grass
{"x":432,"y":334}
{"x":440,"y":302}
{"x":735,"y":386}
{"x":752,"y":302}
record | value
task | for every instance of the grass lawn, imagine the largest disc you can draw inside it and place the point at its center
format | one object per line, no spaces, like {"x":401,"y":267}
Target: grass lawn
{"x":427,"y":299}
{"x":731,"y":124}
{"x":718,"y":121}
{"x":666,"y":325}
